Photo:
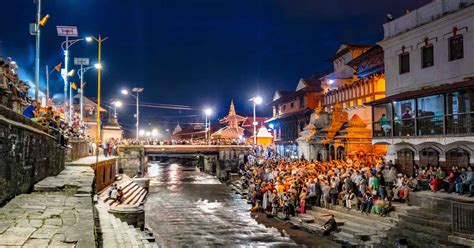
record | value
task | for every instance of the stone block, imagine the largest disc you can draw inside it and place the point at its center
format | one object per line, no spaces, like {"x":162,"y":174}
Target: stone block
{"x":16,"y":235}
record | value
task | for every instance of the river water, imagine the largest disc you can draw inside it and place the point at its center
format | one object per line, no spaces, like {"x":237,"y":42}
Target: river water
{"x":188,"y":208}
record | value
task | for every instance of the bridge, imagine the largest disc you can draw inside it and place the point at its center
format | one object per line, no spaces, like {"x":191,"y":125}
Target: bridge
{"x":217,"y":159}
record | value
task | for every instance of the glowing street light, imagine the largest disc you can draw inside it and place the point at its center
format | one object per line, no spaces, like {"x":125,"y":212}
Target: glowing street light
{"x":137,"y":90}
{"x":257,"y":100}
{"x":68,"y":31}
{"x":208,"y":113}
{"x":142,"y":132}
{"x":98,"y":66}
{"x":117,"y":104}
{"x":154,"y":132}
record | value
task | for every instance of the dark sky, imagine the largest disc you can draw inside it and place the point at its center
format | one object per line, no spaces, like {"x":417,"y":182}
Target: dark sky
{"x":197,"y":52}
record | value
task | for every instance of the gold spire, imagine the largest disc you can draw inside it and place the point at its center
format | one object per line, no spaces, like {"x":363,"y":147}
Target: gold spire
{"x":232,"y":108}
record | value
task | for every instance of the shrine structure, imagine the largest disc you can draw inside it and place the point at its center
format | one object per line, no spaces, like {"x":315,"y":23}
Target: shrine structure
{"x":232,"y":130}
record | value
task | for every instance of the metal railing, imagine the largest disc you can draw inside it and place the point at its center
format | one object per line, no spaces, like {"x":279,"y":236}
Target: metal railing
{"x":459,"y":123}
{"x":430,"y":125}
{"x":427,"y":125}
{"x":463,"y":218}
{"x":404,"y":127}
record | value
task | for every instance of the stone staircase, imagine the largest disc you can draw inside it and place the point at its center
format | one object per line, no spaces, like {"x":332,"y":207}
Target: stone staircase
{"x":133,"y":194}
{"x":430,"y":225}
{"x":354,"y":228}
{"x":114,"y":233}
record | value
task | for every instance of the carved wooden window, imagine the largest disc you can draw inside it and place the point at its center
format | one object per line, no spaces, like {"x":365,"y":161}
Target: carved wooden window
{"x":456,"y":48}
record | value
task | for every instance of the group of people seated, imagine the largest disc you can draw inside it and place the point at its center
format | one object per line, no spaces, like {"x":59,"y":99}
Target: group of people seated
{"x":364,"y":182}
{"x":11,"y":86}
{"x":52,"y":119}
{"x":116,"y":194}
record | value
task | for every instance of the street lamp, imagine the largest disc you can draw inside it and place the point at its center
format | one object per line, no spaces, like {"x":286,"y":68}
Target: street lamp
{"x":208,"y":113}
{"x":117,"y":104}
{"x":67,"y":31}
{"x":82,"y":62}
{"x":137,"y":90}
{"x":256,"y":101}
{"x":99,"y":70}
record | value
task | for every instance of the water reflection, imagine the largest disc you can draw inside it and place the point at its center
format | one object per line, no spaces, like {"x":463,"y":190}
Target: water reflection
{"x":192,"y":209}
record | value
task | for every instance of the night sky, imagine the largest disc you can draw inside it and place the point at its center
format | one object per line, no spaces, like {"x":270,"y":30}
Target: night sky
{"x":196,"y":52}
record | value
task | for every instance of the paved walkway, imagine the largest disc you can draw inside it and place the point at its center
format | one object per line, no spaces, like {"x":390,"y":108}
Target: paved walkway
{"x":59,"y":213}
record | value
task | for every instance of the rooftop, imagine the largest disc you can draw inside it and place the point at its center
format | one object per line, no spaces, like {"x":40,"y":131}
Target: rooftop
{"x":423,"y":15}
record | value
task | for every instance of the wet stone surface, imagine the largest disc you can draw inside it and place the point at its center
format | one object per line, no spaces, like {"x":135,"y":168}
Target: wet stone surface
{"x":187,"y":208}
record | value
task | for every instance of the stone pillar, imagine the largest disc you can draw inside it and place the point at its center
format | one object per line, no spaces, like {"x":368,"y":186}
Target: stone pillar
{"x":132,"y":160}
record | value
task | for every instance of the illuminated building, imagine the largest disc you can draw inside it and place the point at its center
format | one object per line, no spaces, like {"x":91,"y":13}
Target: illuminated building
{"x":341,"y":126}
{"x":429,"y":106}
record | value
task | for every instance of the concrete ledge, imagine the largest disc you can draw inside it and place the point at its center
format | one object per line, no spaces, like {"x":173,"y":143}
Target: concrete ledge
{"x":90,"y":160}
{"x":461,"y":240}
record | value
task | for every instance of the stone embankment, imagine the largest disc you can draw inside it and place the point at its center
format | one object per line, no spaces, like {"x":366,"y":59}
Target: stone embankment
{"x":59,"y":212}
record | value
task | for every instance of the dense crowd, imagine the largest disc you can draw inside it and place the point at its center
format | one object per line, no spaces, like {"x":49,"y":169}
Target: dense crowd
{"x":10,"y":85}
{"x":163,"y":142}
{"x":366,"y":183}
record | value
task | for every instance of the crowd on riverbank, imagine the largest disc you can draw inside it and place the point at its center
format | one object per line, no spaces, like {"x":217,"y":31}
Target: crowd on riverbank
{"x":164,"y":142}
{"x":367,"y":183}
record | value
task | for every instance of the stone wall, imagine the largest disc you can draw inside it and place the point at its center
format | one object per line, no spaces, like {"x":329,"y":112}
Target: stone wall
{"x":132,"y":160}
{"x":80,"y":149}
{"x":29,"y":154}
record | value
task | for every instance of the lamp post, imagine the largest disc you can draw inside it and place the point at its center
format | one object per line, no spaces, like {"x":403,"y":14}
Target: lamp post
{"x":38,"y":41}
{"x":98,"y":66}
{"x":208,"y":113}
{"x":82,"y":62}
{"x":117,"y":104}
{"x":68,"y":31}
{"x":256,"y":101}
{"x":137,"y":90}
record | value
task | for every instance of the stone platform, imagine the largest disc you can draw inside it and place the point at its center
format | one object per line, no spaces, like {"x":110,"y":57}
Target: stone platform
{"x":59,"y":213}
{"x":104,"y":169}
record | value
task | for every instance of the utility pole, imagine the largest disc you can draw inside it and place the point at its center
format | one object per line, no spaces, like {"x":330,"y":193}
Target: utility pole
{"x":38,"y":40}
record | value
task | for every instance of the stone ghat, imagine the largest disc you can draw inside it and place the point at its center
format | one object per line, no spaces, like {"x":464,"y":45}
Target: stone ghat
{"x":29,"y":154}
{"x":58,"y":213}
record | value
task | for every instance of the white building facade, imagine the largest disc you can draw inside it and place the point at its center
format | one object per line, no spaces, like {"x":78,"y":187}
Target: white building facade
{"x":427,"y":116}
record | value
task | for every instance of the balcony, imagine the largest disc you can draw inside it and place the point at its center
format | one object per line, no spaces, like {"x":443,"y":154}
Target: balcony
{"x":453,"y":124}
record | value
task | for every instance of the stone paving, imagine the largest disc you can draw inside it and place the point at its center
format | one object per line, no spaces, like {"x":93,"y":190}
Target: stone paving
{"x":59,"y":213}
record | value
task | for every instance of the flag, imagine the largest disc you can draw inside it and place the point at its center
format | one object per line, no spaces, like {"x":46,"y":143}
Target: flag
{"x":74,"y":86}
{"x":58,"y":67}
{"x":43,"y":20}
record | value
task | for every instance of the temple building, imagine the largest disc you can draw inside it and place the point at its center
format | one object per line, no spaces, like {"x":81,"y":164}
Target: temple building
{"x":427,"y":116}
{"x":112,"y":129}
{"x":232,"y":130}
{"x":341,"y":125}
{"x":291,"y":113}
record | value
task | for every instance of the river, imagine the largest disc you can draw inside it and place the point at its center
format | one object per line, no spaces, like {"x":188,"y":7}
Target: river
{"x":188,"y":208}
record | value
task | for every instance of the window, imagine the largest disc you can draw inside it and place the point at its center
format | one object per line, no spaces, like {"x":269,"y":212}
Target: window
{"x":430,"y":115}
{"x":382,"y":126}
{"x":301,"y":102}
{"x":456,"y":48}
{"x":427,"y":56}
{"x":404,"y":122}
{"x":284,"y":107}
{"x":404,"y":60}
{"x":292,"y":105}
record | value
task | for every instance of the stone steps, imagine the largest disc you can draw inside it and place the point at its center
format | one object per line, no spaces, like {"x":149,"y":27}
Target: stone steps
{"x":133,"y":194}
{"x":116,"y":233}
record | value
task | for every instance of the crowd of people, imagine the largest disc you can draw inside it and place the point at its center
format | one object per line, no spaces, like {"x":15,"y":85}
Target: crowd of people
{"x":365,"y":182}
{"x":163,"y":142}
{"x":14,"y":94}
{"x":14,"y":89}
